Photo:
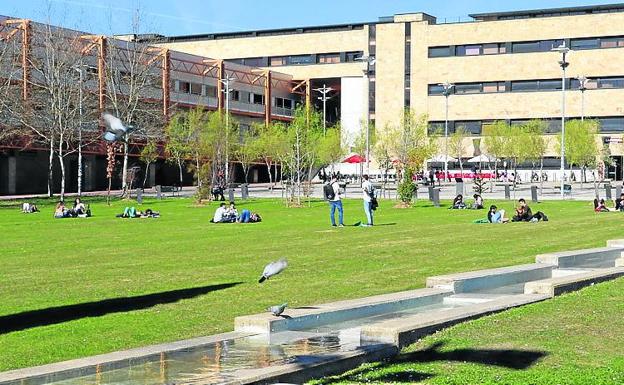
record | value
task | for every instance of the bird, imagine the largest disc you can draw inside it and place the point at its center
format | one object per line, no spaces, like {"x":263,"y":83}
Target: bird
{"x":277,"y":310}
{"x":115,"y":129}
{"x":273,"y":268}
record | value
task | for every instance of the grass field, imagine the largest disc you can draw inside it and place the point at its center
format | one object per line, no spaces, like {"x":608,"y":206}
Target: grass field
{"x":575,"y":339}
{"x":180,"y":276}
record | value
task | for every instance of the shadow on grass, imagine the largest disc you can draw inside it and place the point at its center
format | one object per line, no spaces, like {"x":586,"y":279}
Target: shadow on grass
{"x":383,"y":371}
{"x":54,"y":315}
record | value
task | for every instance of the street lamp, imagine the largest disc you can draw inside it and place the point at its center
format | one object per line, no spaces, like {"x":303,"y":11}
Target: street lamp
{"x":368,"y":61}
{"x":226,"y":82}
{"x":447,"y":91}
{"x":563,"y":50}
{"x":324,"y":98}
{"x":582,"y":87}
{"x":80,"y":68}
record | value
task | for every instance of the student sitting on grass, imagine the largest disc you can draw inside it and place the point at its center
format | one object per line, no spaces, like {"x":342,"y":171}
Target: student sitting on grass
{"x":458,"y":203}
{"x":496,"y":216}
{"x":524,"y":213}
{"x":29,"y":208}
{"x":619,"y":203}
{"x":219,"y":214}
{"x":601,"y":207}
{"x":231,"y":214}
{"x":478,"y":202}
{"x":79,"y":208}
{"x":61,"y":211}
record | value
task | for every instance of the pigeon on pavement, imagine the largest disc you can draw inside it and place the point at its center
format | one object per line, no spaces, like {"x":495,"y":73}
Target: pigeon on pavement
{"x":277,"y":310}
{"x":272,"y":269}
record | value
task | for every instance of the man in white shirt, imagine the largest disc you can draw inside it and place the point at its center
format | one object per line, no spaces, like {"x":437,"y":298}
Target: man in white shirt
{"x":367,"y":197}
{"x":219,"y":213}
{"x":335,"y":202}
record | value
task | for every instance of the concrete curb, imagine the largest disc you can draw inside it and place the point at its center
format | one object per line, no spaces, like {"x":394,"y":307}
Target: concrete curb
{"x":557,"y":286}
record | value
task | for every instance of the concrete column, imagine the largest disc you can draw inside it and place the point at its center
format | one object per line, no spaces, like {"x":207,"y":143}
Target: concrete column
{"x":88,"y":174}
{"x":152,"y":175}
{"x":12,"y":175}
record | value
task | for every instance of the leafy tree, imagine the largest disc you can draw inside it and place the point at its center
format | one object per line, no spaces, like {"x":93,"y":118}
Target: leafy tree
{"x":269,"y":144}
{"x":179,"y":136}
{"x":581,"y":148}
{"x":536,"y":145}
{"x":247,"y":151}
{"x":495,"y":138}
{"x":149,"y":154}
{"x":456,"y":144}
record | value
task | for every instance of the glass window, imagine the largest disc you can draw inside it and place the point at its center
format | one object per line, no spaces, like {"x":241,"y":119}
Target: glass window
{"x":352,"y":56}
{"x":494,"y":87}
{"x":611,"y":124}
{"x":493,"y":49}
{"x":196,"y":89}
{"x":211,"y":91}
{"x":257,"y":99}
{"x":549,"y":85}
{"x":523,"y":47}
{"x":611,"y":83}
{"x":254,"y":62}
{"x":301,"y":59}
{"x":439,"y":51}
{"x":184,"y":87}
{"x":548,"y":45}
{"x":436,"y":89}
{"x":328,"y":58}
{"x":468,"y":88}
{"x":584,"y":44}
{"x":234,"y":95}
{"x":288,"y":104}
{"x":435,"y":128}
{"x":277,"y":61}
{"x":523,"y":85}
{"x":473,"y":50}
{"x":608,"y":43}
{"x":473,"y":127}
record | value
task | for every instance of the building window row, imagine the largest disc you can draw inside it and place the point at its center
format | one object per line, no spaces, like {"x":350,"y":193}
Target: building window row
{"x":184,"y":87}
{"x":528,"y":85}
{"x":608,"y":125}
{"x":318,"y":58}
{"x":525,"y":46}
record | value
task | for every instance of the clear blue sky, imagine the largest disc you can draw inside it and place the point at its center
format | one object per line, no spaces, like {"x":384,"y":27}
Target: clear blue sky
{"x":183,"y":17}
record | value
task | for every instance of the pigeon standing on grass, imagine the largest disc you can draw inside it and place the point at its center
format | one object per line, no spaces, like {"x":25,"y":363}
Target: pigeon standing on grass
{"x":277,"y":310}
{"x":273,"y":268}
{"x":115,"y":129}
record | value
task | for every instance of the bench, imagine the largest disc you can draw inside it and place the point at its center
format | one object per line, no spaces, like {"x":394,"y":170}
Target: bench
{"x":173,"y":190}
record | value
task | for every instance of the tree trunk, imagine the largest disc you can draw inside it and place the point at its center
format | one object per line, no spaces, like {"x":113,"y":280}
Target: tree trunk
{"x":541,"y":175}
{"x":199,"y":181}
{"x":146,"y":173}
{"x":124,"y":171}
{"x":62,"y":165}
{"x":268,"y":164}
{"x":180,"y":169}
{"x":50,"y":164}
{"x":79,"y":167}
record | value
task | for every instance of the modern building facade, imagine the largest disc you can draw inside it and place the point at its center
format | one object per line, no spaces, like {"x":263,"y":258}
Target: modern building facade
{"x":502,"y":66}
{"x":175,"y":81}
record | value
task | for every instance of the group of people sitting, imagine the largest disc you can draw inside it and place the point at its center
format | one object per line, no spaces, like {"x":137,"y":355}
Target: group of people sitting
{"x":523,"y":213}
{"x":600,"y":206}
{"x":79,"y":210}
{"x":29,"y":208}
{"x":229,"y":214}
{"x":132,"y":212}
{"x":459,"y":204}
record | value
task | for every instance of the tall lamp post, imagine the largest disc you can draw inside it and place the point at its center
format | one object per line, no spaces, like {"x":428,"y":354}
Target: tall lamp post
{"x":324,"y":98}
{"x":447,"y":91}
{"x":368,"y":61}
{"x":582,"y":87}
{"x":226,"y":82}
{"x":80,"y":68}
{"x":563,"y":50}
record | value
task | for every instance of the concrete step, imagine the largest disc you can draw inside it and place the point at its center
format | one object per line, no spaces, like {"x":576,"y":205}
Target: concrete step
{"x":563,"y":284}
{"x":334,"y":312}
{"x":600,"y":257}
{"x":405,"y":331}
{"x":491,"y":278}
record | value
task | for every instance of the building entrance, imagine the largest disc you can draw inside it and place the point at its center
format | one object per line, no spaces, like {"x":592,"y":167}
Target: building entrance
{"x":614,"y":171}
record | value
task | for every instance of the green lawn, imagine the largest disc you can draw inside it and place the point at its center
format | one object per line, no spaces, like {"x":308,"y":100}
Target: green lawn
{"x":50,"y":262}
{"x":573,"y":339}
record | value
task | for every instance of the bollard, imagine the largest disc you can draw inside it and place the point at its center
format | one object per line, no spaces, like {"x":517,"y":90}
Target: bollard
{"x":618,"y":191}
{"x":459,"y":188}
{"x":507,"y":191}
{"x":245,"y":191}
{"x":436,"y":197}
{"x":431,"y":193}
{"x":607,"y":187}
{"x":139,"y":194}
{"x":231,"y":194}
{"x":158,"y":192}
{"x":534,"y":194}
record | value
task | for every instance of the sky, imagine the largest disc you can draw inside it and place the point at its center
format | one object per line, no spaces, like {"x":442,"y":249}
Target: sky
{"x":187,"y":17}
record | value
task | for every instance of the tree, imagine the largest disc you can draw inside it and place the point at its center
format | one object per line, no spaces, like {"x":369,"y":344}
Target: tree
{"x":268,"y":143}
{"x":149,"y":154}
{"x":410,"y":143}
{"x":456,"y":145}
{"x":178,"y":141}
{"x":247,"y":150}
{"x":495,"y":138}
{"x":536,"y":144}
{"x":581,"y":148}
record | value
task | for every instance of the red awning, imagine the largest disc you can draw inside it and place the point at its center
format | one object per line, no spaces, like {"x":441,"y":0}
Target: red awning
{"x":354,"y":158}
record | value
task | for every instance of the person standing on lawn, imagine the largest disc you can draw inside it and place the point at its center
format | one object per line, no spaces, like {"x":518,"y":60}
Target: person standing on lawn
{"x":332,"y":194}
{"x":368,"y":193}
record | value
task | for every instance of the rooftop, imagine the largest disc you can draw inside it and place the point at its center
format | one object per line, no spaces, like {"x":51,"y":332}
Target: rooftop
{"x":547,"y":12}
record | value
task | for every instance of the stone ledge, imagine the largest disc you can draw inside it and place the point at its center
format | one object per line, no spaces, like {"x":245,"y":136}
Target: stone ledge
{"x":556,"y":286}
{"x":309,"y":317}
{"x":597,"y":257}
{"x":490,"y":278}
{"x":404,"y":331}
{"x":113,"y":360}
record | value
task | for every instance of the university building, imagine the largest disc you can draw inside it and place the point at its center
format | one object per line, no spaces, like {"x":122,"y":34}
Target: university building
{"x":502,"y":65}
